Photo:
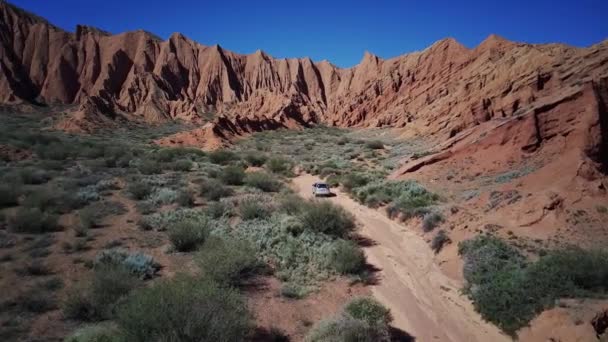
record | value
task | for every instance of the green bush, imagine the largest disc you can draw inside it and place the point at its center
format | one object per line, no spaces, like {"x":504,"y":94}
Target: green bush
{"x":368,"y":310}
{"x":214,"y":190}
{"x":255,"y":159}
{"x":150,"y":167}
{"x":509,"y":291}
{"x":346,"y":257}
{"x":216,"y":210}
{"x":185,"y":309}
{"x":361,"y":320}
{"x":187,"y":235}
{"x":97,"y":300}
{"x":30,"y":175}
{"x":279,"y":165}
{"x":222,"y":157}
{"x":293,"y":291}
{"x":345,"y":328}
{"x":328,"y":218}
{"x":139,"y":190}
{"x":251,"y":208}
{"x":185,"y":198}
{"x":431,"y":220}
{"x":9,"y":195}
{"x":33,"y":221}
{"x":227,"y":261}
{"x":262,"y":181}
{"x":374,"y":144}
{"x":181,"y":165}
{"x":233,"y":175}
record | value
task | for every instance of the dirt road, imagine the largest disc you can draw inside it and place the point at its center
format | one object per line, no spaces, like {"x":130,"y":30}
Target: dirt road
{"x":424,"y":302}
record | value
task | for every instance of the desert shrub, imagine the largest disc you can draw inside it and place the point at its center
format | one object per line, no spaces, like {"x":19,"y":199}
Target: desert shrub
{"x":255,"y":159}
{"x":149,"y":167}
{"x":291,"y":204}
{"x":368,"y":310}
{"x":184,"y":309}
{"x":279,"y":165}
{"x":509,"y":291}
{"x":163,"y":196}
{"x":233,"y":175}
{"x":345,"y":328}
{"x":30,"y":175}
{"x":214,"y":190}
{"x":98,"y":298}
{"x":431,"y":220}
{"x":187,"y":235}
{"x":406,"y":197}
{"x":216,"y":210}
{"x":374,"y":144}
{"x":37,"y":300}
{"x":346,"y":257}
{"x":9,"y":195}
{"x":43,"y":198}
{"x":139,"y":190}
{"x":222,"y":157}
{"x":165,"y":220}
{"x":252,"y":208}
{"x":185,"y":198}
{"x":294,"y":291}
{"x":33,"y":221}
{"x":439,"y":240}
{"x":139,"y":264}
{"x":181,"y":165}
{"x":299,"y":255}
{"x":326,"y":217}
{"x":101,"y":332}
{"x":353,"y":180}
{"x":227,"y":261}
{"x":34,"y":268}
{"x":262,"y":181}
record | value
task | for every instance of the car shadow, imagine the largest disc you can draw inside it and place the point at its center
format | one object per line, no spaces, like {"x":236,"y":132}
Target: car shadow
{"x":398,"y":335}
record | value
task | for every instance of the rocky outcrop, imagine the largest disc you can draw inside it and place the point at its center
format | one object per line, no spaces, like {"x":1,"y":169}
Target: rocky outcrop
{"x":440,"y":91}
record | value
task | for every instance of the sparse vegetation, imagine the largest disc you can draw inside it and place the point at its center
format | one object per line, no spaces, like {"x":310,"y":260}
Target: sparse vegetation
{"x":139,"y":190}
{"x":279,"y":165}
{"x":222,"y":157}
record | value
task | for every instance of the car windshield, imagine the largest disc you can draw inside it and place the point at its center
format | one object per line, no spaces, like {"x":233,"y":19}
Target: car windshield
{"x":322,"y":186}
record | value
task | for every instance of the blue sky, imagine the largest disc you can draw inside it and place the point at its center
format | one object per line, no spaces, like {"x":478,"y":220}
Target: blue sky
{"x":339,"y":31}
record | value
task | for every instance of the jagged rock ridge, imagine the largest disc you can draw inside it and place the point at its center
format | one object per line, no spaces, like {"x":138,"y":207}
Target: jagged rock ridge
{"x":441,"y":91}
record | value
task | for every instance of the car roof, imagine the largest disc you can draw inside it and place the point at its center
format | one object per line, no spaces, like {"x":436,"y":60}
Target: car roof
{"x":320,"y":183}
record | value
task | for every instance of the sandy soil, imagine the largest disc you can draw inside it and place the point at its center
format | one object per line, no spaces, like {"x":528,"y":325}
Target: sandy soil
{"x":423,"y":300}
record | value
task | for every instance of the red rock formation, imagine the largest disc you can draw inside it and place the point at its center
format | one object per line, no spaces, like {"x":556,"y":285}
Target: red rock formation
{"x":440,"y":91}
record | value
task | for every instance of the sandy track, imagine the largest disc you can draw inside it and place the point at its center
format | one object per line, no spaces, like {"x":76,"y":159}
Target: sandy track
{"x":424,"y":302}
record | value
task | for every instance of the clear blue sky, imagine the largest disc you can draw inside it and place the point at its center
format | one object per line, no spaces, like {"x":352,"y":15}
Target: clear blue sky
{"x":339,"y":31}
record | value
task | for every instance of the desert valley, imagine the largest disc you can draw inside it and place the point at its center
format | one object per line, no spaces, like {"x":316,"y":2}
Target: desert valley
{"x":160,"y":190}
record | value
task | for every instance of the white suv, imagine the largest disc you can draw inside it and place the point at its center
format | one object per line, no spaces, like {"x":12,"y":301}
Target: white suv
{"x":320,"y":189}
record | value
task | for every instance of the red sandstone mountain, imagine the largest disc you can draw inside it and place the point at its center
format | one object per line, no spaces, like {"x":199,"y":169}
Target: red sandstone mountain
{"x":441,"y":91}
